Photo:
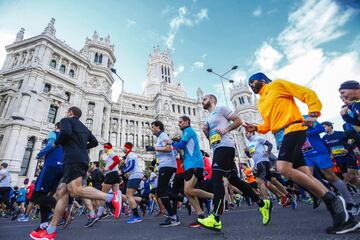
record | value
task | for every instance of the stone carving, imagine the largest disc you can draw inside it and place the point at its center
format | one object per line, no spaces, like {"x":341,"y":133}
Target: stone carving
{"x":20,"y":35}
{"x":95,"y":36}
{"x":107,"y":39}
{"x":50,"y":28}
{"x":31,"y":54}
{"x":16,"y":60}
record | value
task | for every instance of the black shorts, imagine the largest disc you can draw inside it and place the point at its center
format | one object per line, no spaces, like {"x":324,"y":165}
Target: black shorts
{"x":133,"y":183}
{"x":74,"y":170}
{"x":291,"y":148}
{"x":112,"y":178}
{"x":263,"y":170}
{"x":198,"y":172}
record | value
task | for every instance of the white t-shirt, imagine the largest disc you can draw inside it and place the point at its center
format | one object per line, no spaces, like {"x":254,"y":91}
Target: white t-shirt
{"x":6,"y":181}
{"x":219,"y":119}
{"x":166,"y":159}
{"x":257,"y":149}
{"x":136,"y":172}
{"x":109,"y":161}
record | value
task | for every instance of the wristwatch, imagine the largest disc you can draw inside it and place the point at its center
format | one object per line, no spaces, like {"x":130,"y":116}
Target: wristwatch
{"x":314,"y":114}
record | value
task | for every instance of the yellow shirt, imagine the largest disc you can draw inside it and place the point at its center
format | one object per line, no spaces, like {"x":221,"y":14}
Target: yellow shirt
{"x":278,"y":108}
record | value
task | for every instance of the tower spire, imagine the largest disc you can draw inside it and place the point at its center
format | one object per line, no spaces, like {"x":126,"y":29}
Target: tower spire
{"x":50,"y":28}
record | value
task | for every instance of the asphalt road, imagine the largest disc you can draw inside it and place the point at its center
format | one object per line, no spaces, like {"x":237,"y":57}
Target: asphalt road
{"x":241,"y":223}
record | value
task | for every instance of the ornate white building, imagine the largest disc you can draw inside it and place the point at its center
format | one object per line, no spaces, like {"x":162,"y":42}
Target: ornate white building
{"x":42,"y":77}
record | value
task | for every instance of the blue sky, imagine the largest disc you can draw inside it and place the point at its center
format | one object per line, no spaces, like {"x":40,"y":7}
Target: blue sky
{"x":314,"y":43}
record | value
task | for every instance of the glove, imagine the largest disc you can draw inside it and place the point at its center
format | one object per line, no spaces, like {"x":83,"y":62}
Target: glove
{"x":150,"y":148}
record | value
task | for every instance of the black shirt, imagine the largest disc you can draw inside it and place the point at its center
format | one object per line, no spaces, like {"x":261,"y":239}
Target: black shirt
{"x":76,"y":139}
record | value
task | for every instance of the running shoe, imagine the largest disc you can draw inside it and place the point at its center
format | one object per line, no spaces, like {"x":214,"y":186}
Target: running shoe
{"x":266,"y":211}
{"x":349,"y":226}
{"x":15,"y":214}
{"x":210,"y":223}
{"x":116,"y":202}
{"x":293,"y":201}
{"x":91,"y":221}
{"x":42,"y":235}
{"x":317,"y":203}
{"x":170,"y":222}
{"x":194,"y":225}
{"x":338,"y":211}
{"x":103,"y":216}
{"x":134,"y":219}
{"x":354,"y":209}
{"x":23,"y":219}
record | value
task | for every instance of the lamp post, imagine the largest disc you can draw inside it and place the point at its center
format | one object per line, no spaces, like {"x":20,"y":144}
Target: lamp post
{"x":222,"y":76}
{"x":113,"y":70}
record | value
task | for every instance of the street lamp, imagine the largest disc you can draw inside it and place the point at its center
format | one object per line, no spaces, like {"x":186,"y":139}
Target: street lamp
{"x":222,"y":76}
{"x":113,"y":70}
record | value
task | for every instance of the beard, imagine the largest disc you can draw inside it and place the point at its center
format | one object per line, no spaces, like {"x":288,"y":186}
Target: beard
{"x":206,"y":105}
{"x":257,"y":87}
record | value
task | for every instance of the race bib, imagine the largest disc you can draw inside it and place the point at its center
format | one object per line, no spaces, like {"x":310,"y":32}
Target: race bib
{"x":252,"y":150}
{"x":307,"y":146}
{"x":338,"y":151}
{"x":214,"y":138}
{"x":279,"y":137}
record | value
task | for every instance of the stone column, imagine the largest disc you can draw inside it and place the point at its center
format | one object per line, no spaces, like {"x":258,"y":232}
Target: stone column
{"x":7,"y":103}
{"x":33,"y":160}
{"x":25,"y":100}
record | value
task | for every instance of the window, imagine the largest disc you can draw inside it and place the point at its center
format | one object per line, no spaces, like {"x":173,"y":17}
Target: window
{"x":47,"y":88}
{"x":1,"y":139}
{"x":140,"y":106}
{"x":100,"y":58}
{"x":27,"y":156}
{"x":162,"y":69}
{"x":102,"y":129}
{"x":53,"y":64}
{"x":134,"y":106}
{"x":173,"y":107}
{"x":91,"y":108}
{"x":62,"y":68}
{"x":189,"y":111}
{"x":67,"y":96}
{"x":20,"y":84}
{"x":178,"y":108}
{"x":89,"y":123}
{"x":241,"y":99}
{"x":194,"y":111}
{"x":52,"y":113}
{"x":146,"y":108}
{"x":96,"y":57}
{"x":72,"y":73}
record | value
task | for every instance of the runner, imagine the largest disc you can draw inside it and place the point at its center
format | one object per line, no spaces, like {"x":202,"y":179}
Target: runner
{"x":193,"y":165}
{"x":5,"y":187}
{"x":112,"y":178}
{"x":76,"y":139}
{"x":282,"y":116}
{"x":167,"y":170}
{"x":350,"y":94}
{"x":135,"y":175}
{"x":217,"y":129}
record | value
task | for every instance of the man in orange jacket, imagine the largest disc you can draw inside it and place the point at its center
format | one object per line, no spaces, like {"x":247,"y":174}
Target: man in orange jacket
{"x":282,"y":116}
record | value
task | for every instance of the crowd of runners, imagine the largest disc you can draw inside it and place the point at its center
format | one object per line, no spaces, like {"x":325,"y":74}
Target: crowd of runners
{"x":315,"y":164}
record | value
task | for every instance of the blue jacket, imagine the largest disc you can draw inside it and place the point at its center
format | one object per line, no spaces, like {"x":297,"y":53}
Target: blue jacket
{"x":53,"y":156}
{"x":353,"y":117}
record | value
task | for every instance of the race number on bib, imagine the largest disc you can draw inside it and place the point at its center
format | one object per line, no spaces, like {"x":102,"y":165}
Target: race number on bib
{"x":215,"y":138}
{"x":338,"y":151}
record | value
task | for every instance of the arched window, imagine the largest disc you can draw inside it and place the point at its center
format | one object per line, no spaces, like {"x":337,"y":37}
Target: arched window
{"x":91,"y":108}
{"x":162,"y":69}
{"x":102,"y":129}
{"x":89,"y":123}
{"x":62,"y":68}
{"x":27,"y":156}
{"x":100,"y":58}
{"x":72,"y":73}
{"x":52,"y":113}
{"x":53,"y":63}
{"x":96,"y":57}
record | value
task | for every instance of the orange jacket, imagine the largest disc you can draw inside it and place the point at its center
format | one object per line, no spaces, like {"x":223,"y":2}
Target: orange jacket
{"x":278,"y":108}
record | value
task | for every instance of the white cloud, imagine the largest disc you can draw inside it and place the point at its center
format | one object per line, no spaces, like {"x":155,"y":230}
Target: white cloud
{"x":198,"y":64}
{"x":179,"y":70}
{"x":5,"y":39}
{"x":238,"y":75}
{"x":267,"y":57}
{"x":201,"y":15}
{"x":300,"y":58}
{"x":130,"y":23}
{"x":257,"y":12}
{"x":183,"y":19}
